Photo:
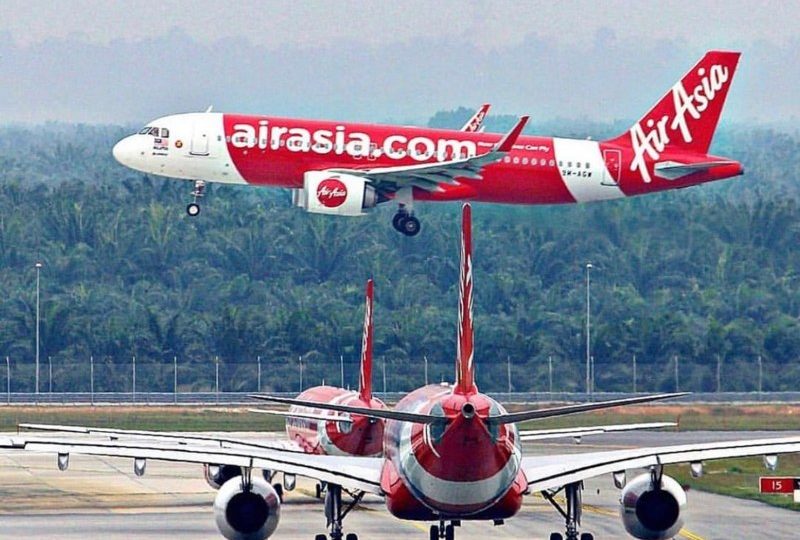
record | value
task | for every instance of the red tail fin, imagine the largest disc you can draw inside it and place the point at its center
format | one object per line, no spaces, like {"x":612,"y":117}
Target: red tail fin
{"x":686,"y":117}
{"x":365,"y":378}
{"x":465,"y":374}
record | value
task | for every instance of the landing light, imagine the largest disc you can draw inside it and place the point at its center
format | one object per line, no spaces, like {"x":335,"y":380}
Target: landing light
{"x":63,"y":462}
{"x":696,"y":469}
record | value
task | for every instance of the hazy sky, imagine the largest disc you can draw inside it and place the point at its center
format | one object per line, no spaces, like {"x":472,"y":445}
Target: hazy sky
{"x":118,"y":61}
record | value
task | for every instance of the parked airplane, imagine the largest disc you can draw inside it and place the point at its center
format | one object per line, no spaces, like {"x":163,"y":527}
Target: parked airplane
{"x":345,"y":169}
{"x":310,"y":430}
{"x":451,"y":454}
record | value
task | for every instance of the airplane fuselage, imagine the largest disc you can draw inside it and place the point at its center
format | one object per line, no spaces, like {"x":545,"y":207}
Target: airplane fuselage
{"x":464,"y":468}
{"x":277,"y":152}
{"x":360,"y":437}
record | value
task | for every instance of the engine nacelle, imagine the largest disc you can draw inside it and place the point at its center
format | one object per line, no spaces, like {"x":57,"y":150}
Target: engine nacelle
{"x":247,"y":515}
{"x":335,"y":194}
{"x":217,"y":475}
{"x":650,"y":512}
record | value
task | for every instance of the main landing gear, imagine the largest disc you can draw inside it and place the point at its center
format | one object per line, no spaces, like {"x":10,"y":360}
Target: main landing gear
{"x":572,"y":515}
{"x":405,"y":222}
{"x":193,"y":209}
{"x":444,"y":532}
{"x":335,"y":513}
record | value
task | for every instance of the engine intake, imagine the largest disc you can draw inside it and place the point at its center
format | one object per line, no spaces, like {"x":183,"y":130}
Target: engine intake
{"x":335,"y":194}
{"x":251,"y":514}
{"x":651,"y":512}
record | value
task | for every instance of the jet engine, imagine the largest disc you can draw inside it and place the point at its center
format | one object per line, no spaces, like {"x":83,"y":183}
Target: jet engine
{"x":651,"y":509}
{"x":335,"y":194}
{"x":247,"y":514}
{"x":217,"y":475}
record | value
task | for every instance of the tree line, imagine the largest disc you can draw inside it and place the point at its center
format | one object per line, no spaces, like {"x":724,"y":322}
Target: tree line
{"x":707,"y":274}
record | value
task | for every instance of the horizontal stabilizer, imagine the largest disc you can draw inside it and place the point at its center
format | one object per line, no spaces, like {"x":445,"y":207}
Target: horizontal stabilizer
{"x":306,"y":416}
{"x":379,"y":414}
{"x":673,"y":170}
{"x":506,"y":418}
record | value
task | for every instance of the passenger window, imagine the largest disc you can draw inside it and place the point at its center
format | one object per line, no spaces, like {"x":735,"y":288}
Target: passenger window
{"x":552,"y":162}
{"x":587,"y":164}
{"x":516,"y":160}
{"x":569,"y":164}
{"x":524,"y":161}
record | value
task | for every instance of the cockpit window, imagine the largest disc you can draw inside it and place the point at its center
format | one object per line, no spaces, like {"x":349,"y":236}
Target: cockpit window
{"x":164,"y":133}
{"x":144,"y":130}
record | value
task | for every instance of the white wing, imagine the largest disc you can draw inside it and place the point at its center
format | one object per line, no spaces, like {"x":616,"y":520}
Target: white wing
{"x":167,"y":436}
{"x":565,"y":433}
{"x":353,"y":473}
{"x":553,"y":471}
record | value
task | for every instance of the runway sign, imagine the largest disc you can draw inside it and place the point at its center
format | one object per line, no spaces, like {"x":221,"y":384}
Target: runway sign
{"x":775,"y":484}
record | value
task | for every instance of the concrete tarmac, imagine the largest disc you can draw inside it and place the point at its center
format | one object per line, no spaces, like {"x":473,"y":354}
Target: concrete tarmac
{"x":100,"y":498}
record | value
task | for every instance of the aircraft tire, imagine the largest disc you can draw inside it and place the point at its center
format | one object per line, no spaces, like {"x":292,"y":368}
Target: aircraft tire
{"x":193,"y":209}
{"x":410,"y":226}
{"x":397,"y":221}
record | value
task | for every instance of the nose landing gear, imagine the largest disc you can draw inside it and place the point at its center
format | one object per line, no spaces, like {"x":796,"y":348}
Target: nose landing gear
{"x":193,"y":209}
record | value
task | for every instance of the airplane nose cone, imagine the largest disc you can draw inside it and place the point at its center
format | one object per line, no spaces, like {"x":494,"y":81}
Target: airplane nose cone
{"x":124,"y":151}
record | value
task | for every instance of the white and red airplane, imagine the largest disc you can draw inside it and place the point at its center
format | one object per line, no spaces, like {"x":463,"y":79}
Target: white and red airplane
{"x":451,"y":454}
{"x":318,"y":431}
{"x":345,"y":169}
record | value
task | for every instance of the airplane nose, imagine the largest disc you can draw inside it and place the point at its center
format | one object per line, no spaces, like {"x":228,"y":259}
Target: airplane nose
{"x":124,"y":151}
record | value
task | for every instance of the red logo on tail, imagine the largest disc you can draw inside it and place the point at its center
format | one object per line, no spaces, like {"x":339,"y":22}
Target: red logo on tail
{"x":332,"y":193}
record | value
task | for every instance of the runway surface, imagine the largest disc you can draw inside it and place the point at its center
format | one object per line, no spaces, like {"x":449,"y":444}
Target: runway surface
{"x":101,"y":498}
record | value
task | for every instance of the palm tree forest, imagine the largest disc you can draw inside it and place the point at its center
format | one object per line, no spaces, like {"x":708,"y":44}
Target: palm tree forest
{"x":708,"y":277}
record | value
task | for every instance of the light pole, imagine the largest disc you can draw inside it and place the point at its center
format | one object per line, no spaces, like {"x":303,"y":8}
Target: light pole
{"x":38,"y":267}
{"x":588,"y":330}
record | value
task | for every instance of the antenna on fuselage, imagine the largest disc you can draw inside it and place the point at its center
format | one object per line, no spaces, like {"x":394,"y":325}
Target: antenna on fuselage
{"x":209,"y":108}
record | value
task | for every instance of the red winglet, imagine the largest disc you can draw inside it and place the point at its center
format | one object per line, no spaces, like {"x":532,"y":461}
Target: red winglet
{"x":465,"y":373}
{"x":365,"y":379}
{"x":507,"y":142}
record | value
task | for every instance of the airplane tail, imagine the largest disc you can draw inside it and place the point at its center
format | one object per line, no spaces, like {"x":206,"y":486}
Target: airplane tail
{"x":365,"y":377}
{"x":465,"y":373}
{"x":686,"y":117}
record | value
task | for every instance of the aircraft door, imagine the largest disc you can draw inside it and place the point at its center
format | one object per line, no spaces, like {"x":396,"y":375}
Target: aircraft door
{"x":200,"y":136}
{"x":613,"y":168}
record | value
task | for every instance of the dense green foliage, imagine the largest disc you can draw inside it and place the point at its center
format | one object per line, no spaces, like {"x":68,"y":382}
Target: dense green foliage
{"x":708,"y":275}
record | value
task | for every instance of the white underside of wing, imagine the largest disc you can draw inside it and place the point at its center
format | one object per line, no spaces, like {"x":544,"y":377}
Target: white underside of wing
{"x":352,"y":473}
{"x":553,"y":471}
{"x":563,"y":433}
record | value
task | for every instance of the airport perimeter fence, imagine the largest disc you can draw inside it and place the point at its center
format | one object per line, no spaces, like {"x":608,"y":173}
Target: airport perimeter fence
{"x":197,"y":380}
